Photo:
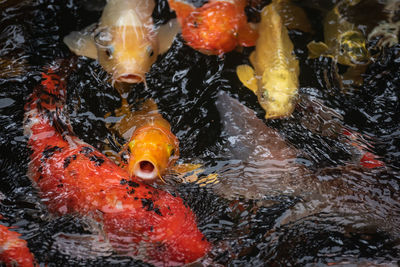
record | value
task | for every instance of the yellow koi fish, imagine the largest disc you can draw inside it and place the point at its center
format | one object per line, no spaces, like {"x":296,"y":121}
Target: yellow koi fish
{"x":152,"y":147}
{"x":274,"y":78}
{"x":343,"y":42}
{"x":125,"y":41}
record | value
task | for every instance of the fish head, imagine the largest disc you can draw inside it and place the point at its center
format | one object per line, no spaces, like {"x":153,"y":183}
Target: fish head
{"x":152,"y":150}
{"x":127,"y":52}
{"x":278,"y":92}
{"x":353,"y":49}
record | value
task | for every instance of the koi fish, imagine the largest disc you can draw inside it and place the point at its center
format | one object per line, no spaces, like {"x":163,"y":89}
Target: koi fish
{"x":125,"y":41}
{"x":268,"y":165}
{"x":274,"y":78}
{"x":73,"y":177}
{"x":152,"y":147}
{"x":266,"y":169}
{"x":387,"y":31}
{"x":343,"y":42}
{"x":12,"y":67}
{"x":215,"y":28}
{"x":14,"y":250}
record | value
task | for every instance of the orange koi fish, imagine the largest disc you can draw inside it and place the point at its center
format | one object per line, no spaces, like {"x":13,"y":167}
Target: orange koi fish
{"x":125,"y":41}
{"x":152,"y":147}
{"x":215,"y":28}
{"x":73,"y":177}
{"x":14,"y":250}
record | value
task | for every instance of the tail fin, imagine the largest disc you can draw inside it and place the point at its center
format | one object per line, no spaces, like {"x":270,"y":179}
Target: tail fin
{"x":49,"y":97}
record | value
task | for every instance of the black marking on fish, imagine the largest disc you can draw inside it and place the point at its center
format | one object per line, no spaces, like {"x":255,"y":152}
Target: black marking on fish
{"x":133,"y":184}
{"x":151,"y":228}
{"x":86,"y":150}
{"x":68,"y":160}
{"x":147,"y":203}
{"x":135,"y":198}
{"x":150,"y":193}
{"x":173,"y":194}
{"x":40,"y":169}
{"x":40,"y":178}
{"x":123,"y":182}
{"x":49,"y":152}
{"x":131,"y":192}
{"x":60,"y":185}
{"x":98,"y":160}
{"x":157,"y":211}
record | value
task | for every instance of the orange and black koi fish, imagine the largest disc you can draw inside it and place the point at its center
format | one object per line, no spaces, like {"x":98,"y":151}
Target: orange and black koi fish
{"x":14,"y":250}
{"x":215,"y":28}
{"x":73,"y":177}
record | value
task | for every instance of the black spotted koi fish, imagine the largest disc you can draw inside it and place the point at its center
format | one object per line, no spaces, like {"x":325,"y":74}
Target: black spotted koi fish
{"x":74,"y":178}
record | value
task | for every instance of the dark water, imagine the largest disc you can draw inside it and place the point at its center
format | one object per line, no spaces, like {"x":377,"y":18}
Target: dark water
{"x":361,"y":226}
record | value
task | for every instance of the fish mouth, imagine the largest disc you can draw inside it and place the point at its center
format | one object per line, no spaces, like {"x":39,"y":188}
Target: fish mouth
{"x":145,"y":170}
{"x":130,"y":78}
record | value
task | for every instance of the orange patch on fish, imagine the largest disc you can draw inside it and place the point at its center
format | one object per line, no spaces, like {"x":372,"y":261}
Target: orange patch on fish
{"x":215,"y":28}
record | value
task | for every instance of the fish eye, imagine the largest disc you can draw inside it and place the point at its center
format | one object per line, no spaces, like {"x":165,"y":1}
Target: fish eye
{"x":109,"y":51}
{"x":150,"y":50}
{"x":103,"y":37}
{"x":125,"y":156}
{"x":131,"y":145}
{"x":170,"y":150}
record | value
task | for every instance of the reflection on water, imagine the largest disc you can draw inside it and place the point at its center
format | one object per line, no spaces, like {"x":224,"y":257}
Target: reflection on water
{"x":315,"y":206}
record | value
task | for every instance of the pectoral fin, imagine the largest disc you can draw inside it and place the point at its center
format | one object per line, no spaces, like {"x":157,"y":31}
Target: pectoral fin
{"x":166,"y":35}
{"x":317,"y":49}
{"x":81,"y":42}
{"x":247,"y":76}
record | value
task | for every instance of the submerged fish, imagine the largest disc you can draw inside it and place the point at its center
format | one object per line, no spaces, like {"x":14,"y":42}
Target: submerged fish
{"x":274,"y":78}
{"x":14,"y":250}
{"x":152,"y":147}
{"x":74,"y":178}
{"x":10,"y":68}
{"x":343,"y":42}
{"x":125,"y":41}
{"x":388,"y":30}
{"x":215,"y":28}
{"x":266,"y":169}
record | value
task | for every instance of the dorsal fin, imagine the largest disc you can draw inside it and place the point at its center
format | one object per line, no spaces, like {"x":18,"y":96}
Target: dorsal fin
{"x":49,"y":97}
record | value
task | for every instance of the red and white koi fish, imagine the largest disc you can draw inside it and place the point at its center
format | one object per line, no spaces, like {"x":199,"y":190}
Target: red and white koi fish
{"x":74,"y":178}
{"x":14,"y":250}
{"x":215,"y":28}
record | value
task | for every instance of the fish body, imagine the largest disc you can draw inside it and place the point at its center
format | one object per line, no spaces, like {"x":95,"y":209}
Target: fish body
{"x":274,"y":78}
{"x":14,"y":250}
{"x":125,"y":41}
{"x":215,"y":28}
{"x":74,"y":178}
{"x":343,"y":41}
{"x":265,"y":169}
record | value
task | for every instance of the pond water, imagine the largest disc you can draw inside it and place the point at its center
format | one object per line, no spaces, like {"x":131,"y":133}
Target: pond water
{"x":334,"y":213}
